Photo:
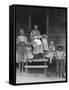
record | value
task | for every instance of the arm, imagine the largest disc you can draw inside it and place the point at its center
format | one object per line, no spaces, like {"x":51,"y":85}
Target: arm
{"x":55,"y":54}
{"x":25,"y":40}
{"x":64,"y":57}
{"x":17,"y":40}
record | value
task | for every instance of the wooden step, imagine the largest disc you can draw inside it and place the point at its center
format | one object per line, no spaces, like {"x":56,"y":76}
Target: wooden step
{"x":36,"y":66}
{"x":38,"y":60}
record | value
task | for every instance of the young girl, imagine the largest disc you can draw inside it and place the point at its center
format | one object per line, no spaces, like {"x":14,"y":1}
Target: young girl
{"x":21,"y":52}
{"x":51,"y":51}
{"x":60,"y":62}
{"x":29,"y":52}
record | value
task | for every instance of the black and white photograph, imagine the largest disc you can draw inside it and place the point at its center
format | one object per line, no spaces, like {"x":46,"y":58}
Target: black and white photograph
{"x":41,"y":44}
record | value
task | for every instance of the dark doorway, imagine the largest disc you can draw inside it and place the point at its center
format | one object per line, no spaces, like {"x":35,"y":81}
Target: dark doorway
{"x":38,"y":17}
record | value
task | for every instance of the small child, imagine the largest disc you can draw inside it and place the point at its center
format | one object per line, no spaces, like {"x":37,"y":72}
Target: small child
{"x":52,"y":46}
{"x":29,"y":52}
{"x":60,"y":61}
{"x":51,"y":51}
{"x":21,"y":52}
{"x":37,"y":46}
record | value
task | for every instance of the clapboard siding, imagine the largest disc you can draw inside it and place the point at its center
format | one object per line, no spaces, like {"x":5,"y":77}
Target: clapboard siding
{"x":57,"y":26}
{"x":58,"y":36}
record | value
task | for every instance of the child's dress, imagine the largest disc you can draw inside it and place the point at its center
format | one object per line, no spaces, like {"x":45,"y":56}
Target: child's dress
{"x":21,"y":52}
{"x":37,"y":45}
{"x":29,"y":52}
{"x":45,"y":43}
{"x":51,"y":53}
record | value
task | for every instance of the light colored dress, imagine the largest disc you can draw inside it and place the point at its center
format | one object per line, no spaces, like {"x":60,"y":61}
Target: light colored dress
{"x":37,"y":46}
{"x":45,"y":43}
{"x":36,"y":42}
{"x":29,"y":51}
{"x":21,"y":52}
{"x":51,"y":53}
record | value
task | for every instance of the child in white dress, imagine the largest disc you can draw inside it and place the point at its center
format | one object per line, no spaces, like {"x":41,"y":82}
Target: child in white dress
{"x":37,"y":45}
{"x":51,"y":51}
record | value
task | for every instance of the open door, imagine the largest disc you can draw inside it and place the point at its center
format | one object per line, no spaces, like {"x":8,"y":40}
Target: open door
{"x":38,"y":17}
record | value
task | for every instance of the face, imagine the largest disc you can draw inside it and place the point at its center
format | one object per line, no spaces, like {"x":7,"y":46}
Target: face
{"x":35,"y":27}
{"x":21,"y":31}
{"x":60,"y":49}
{"x":51,"y":43}
{"x":44,"y":37}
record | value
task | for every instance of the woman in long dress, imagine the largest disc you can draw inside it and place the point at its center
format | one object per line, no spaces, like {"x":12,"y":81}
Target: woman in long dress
{"x":36,"y":41}
{"x":21,"y":52}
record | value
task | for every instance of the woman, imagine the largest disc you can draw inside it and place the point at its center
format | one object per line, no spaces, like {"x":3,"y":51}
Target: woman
{"x":36,"y":42}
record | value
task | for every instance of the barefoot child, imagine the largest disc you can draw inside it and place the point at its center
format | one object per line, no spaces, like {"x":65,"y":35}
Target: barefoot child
{"x":60,"y":61}
{"x":51,"y":51}
{"x":21,"y":52}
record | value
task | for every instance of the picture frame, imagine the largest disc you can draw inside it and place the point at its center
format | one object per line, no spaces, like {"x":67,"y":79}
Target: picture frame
{"x":51,"y":21}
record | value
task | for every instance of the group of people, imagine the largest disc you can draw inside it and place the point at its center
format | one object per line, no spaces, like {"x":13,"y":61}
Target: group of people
{"x":37,"y":48}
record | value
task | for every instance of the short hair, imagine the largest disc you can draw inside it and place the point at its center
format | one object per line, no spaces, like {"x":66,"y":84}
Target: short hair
{"x":60,"y":47}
